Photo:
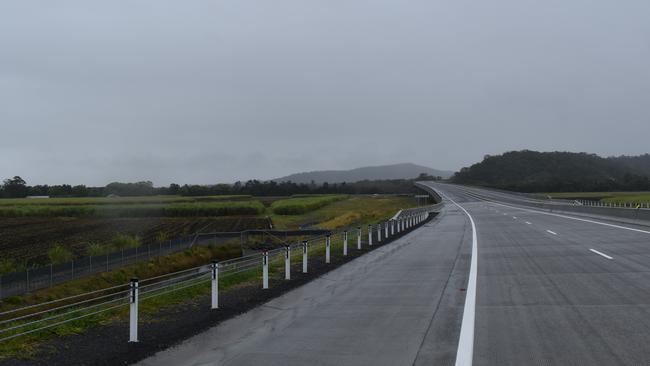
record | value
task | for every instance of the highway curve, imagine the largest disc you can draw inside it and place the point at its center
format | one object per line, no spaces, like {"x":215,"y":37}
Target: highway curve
{"x":548,"y":289}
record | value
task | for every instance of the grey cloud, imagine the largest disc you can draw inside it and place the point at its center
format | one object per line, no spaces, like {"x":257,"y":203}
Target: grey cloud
{"x":206,"y":91}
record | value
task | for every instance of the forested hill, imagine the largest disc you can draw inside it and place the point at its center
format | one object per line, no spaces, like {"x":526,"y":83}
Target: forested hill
{"x":532,"y":171}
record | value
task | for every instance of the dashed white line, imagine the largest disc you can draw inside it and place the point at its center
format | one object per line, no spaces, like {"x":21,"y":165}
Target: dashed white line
{"x":601,"y":254}
{"x":514,"y":217}
{"x":551,"y":232}
{"x":528,"y":223}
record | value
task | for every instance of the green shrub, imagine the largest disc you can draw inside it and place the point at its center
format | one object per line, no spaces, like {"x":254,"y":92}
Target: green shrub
{"x":7,"y":266}
{"x":59,"y":254}
{"x":96,"y":249}
{"x":124,"y":241}
{"x":298,"y":206}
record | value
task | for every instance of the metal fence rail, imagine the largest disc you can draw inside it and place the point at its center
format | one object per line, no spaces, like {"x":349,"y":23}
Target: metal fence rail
{"x":38,"y":317}
{"x":21,"y":282}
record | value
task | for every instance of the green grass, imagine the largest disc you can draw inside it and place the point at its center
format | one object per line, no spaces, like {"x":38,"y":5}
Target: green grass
{"x":227,"y":208}
{"x":608,"y":197}
{"x":298,"y":206}
{"x":355,"y":210}
{"x":25,"y":346}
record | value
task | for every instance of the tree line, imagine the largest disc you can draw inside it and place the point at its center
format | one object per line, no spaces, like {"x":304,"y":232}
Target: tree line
{"x":532,"y":171}
{"x":16,"y":187}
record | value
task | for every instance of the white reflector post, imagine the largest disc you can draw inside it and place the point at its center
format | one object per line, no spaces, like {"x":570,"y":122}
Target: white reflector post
{"x":369,"y":234}
{"x":359,"y":238}
{"x":328,"y":242}
{"x":345,"y":242}
{"x":215,"y":285}
{"x":304,"y":257}
{"x":392,"y":227}
{"x":265,"y":269}
{"x":133,"y":318}
{"x":287,"y":262}
{"x":379,"y":233}
{"x":386,"y":229}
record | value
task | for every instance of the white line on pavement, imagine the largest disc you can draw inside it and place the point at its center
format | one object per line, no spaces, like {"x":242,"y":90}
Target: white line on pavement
{"x":528,"y":223}
{"x":465,"y":351}
{"x":551,"y":232}
{"x":601,"y":254}
{"x":514,"y":217}
{"x":573,"y":218}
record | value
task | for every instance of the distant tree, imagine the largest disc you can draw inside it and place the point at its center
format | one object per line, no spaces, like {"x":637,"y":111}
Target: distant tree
{"x":15,"y":187}
{"x":174,"y":189}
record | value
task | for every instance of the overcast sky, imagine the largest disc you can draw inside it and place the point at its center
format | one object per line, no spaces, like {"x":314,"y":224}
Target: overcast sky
{"x":217,"y":91}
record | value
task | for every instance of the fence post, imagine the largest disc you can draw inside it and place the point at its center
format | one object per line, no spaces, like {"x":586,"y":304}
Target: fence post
{"x":304,"y":257}
{"x":133,"y":323}
{"x":359,"y":238}
{"x":328,"y":242}
{"x":215,"y":285}
{"x":345,"y":243}
{"x":287,"y":262}
{"x":392,"y":227}
{"x":379,"y":233}
{"x":369,"y":235}
{"x":265,"y":269}
{"x":386,"y":229}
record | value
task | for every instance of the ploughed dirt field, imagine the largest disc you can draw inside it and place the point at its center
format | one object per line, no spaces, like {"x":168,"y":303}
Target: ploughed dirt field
{"x":29,"y":238}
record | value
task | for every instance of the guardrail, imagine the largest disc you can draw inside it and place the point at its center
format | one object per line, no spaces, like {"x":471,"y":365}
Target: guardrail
{"x":29,"y":319}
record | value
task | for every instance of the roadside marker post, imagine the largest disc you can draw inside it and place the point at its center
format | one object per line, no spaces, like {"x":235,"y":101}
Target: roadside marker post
{"x":386,"y":229}
{"x":304,"y":257}
{"x":265,"y":270}
{"x":215,"y":285}
{"x":287,"y":262}
{"x":392,"y":227}
{"x":379,"y":233}
{"x":345,"y":243}
{"x":370,"y":235}
{"x":133,"y":314}
{"x":359,"y":238}
{"x":328,"y":242}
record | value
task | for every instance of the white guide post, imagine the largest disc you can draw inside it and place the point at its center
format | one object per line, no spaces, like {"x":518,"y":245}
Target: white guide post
{"x":133,"y":318}
{"x":287,"y":262}
{"x":345,"y":242}
{"x":386,"y":229}
{"x":215,"y":285}
{"x":328,"y":242}
{"x":392,"y":227}
{"x":304,"y":257}
{"x":369,"y":234}
{"x":378,"y":233}
{"x":359,"y":238}
{"x":265,"y":270}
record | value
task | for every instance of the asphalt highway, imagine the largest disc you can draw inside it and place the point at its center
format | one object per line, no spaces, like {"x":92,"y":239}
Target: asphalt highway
{"x":543,"y":289}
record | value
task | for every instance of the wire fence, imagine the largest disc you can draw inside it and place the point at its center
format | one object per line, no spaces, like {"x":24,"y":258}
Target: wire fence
{"x":21,"y":282}
{"x":23,"y":321}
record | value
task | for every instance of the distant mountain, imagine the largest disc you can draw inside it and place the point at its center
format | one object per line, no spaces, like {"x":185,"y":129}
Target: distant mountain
{"x":533,"y":171}
{"x":394,"y":171}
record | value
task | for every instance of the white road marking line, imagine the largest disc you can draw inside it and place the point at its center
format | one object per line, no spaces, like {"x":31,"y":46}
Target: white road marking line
{"x":601,"y":254}
{"x":572,"y":218}
{"x":551,"y":232}
{"x":465,"y":351}
{"x":514,"y":217}
{"x":528,"y":223}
